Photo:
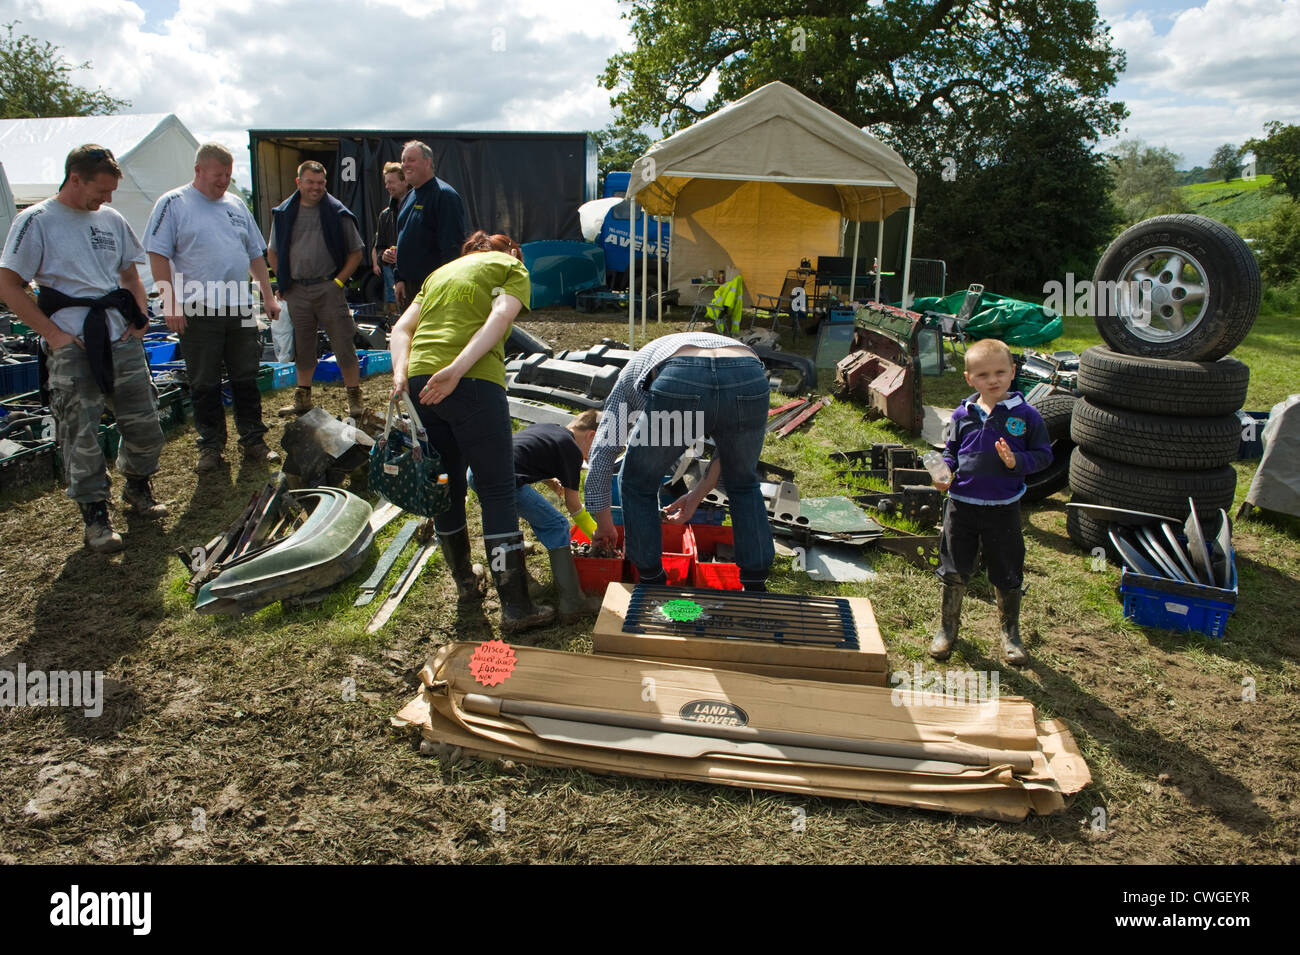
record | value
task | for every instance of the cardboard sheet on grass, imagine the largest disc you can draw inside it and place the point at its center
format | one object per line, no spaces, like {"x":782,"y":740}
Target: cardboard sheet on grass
{"x":612,"y":685}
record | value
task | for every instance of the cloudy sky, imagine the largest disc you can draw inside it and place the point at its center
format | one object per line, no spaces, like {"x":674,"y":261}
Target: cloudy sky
{"x":1198,"y":74}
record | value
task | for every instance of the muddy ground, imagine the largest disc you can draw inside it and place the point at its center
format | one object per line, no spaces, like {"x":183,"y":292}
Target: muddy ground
{"x":227,"y":740}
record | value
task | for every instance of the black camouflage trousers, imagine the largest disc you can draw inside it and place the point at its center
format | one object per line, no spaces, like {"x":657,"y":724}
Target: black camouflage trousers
{"x":78,"y":404}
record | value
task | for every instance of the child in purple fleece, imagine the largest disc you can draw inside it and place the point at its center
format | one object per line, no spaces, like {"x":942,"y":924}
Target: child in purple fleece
{"x":994,"y":440}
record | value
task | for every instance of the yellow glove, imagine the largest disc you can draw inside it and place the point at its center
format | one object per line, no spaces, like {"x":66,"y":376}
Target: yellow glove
{"x":586,"y":523}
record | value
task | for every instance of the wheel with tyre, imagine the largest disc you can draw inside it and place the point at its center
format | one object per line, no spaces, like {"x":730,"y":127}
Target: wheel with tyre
{"x":1150,"y":440}
{"x":1181,"y":287}
{"x":1055,"y":411}
{"x":1158,"y":386}
{"x":1102,"y":480}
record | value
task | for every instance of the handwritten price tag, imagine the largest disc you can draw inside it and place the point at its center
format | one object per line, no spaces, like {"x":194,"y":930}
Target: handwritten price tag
{"x":492,"y":662}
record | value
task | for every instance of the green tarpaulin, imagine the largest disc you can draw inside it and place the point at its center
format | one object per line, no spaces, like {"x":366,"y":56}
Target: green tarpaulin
{"x":996,"y":316}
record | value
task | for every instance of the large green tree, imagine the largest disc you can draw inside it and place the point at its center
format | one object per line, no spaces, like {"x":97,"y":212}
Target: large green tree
{"x":35,"y":80}
{"x":1279,"y":154}
{"x":951,"y":85}
{"x":618,"y":146}
{"x":1225,"y":162}
{"x":1146,"y":180}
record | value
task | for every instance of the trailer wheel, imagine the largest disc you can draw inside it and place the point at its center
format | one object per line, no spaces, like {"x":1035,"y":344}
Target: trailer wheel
{"x":1180,"y":287}
{"x":1102,"y":480}
{"x":1197,"y":389}
{"x":1161,"y":441}
{"x":1056,"y":412}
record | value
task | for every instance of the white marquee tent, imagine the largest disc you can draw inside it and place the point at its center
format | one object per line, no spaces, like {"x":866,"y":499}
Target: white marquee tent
{"x":155,"y":151}
{"x":764,"y":182}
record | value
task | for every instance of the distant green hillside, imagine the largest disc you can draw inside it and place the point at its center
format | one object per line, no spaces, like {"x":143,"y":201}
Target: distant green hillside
{"x":1240,"y":203}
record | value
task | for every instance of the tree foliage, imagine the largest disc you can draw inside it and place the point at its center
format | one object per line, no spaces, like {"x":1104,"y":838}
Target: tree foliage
{"x":35,"y":80}
{"x":1225,"y":164}
{"x":1279,"y":154}
{"x":971,"y":87}
{"x":1146,"y":181}
{"x":1279,"y":244}
{"x":618,"y":146}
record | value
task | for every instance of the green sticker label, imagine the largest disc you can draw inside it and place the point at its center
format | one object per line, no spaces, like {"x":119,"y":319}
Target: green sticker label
{"x":682,"y":611}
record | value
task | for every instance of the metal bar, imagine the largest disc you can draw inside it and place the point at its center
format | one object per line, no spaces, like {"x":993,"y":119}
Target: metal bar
{"x":803,"y":416}
{"x":853,"y":269}
{"x":386,"y":562}
{"x":631,"y":274}
{"x":880,"y":244}
{"x":974,"y":756}
{"x":907,"y":262}
{"x":787,"y":406}
{"x":402,"y":586}
{"x":645,"y":262}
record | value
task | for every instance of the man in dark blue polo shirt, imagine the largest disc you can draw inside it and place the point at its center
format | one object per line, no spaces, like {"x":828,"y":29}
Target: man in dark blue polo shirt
{"x":431,"y":224}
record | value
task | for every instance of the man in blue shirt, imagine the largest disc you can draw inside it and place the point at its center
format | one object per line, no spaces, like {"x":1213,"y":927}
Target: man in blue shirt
{"x":431,"y":224}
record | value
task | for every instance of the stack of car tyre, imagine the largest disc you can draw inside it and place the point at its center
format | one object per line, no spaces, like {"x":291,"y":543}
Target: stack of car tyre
{"x":1157,"y":423}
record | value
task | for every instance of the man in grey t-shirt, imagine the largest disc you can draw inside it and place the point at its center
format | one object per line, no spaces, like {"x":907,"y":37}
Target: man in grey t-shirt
{"x":202,"y":244}
{"x":91,"y":317}
{"x":315,"y":247}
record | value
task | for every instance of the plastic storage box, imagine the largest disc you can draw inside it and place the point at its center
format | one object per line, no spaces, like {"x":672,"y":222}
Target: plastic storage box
{"x":1168,"y":604}
{"x":714,"y":575}
{"x":678,"y":554}
{"x":597,"y":573}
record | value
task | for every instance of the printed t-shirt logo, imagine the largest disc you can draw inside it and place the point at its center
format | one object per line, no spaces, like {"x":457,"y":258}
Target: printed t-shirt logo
{"x":102,"y":239}
{"x":460,"y":293}
{"x":1016,"y":426}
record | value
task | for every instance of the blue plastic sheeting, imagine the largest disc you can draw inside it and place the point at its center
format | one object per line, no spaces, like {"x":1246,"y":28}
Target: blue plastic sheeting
{"x":560,"y":269}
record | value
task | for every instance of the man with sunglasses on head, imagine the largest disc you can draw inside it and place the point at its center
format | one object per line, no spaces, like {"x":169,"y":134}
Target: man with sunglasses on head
{"x":91,"y":315}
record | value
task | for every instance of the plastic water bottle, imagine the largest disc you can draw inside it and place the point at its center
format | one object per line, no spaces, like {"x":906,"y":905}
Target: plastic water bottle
{"x":937,"y":466}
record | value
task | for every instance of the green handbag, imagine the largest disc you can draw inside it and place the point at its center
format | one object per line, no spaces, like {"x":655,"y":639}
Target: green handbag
{"x":405,"y":468}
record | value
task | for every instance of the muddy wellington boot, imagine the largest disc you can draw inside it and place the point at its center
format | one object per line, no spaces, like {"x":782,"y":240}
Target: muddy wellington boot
{"x":467,"y":574}
{"x":138,"y":496}
{"x":356,"y":406}
{"x":941,"y":645}
{"x":100,"y":536}
{"x":572,"y":603}
{"x":1009,"y":616}
{"x":301,"y":403}
{"x":518,"y":612}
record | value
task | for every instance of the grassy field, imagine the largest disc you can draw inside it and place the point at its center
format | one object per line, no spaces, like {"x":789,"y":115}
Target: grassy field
{"x":1240,"y":203}
{"x":235,"y":740}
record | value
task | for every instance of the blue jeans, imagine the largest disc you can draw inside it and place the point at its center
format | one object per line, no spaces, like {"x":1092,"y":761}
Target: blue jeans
{"x":726,"y":398}
{"x":471,"y":428}
{"x":548,"y":524}
{"x":389,"y":294}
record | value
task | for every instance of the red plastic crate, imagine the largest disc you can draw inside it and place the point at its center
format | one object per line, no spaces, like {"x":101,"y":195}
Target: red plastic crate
{"x":713,"y":575}
{"x":595,"y":574}
{"x":678,"y":554}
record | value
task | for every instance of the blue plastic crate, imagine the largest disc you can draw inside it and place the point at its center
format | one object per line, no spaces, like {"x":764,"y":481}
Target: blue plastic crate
{"x":327,"y":369}
{"x":1170,"y":605}
{"x":284,"y":374}
{"x":379,"y":361}
{"x":158,"y":352}
{"x":19,"y":377}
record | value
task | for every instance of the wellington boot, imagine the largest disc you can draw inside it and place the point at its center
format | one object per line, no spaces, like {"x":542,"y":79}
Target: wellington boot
{"x":356,"y":406}
{"x":518,"y":612}
{"x":100,"y":536}
{"x":1009,"y":617}
{"x":941,"y":645}
{"x":572,"y":603}
{"x":467,"y":574}
{"x":301,"y":403}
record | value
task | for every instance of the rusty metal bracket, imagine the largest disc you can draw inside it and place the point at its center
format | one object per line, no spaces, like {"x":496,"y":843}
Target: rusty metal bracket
{"x":920,"y":550}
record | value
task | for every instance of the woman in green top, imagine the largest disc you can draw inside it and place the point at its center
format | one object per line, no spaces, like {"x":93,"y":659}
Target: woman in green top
{"x":449,"y":354}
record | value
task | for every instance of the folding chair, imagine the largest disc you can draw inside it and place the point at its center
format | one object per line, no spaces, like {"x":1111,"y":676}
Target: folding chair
{"x":792,"y":301}
{"x":954,"y":326}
